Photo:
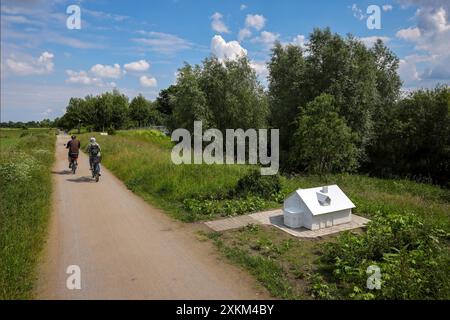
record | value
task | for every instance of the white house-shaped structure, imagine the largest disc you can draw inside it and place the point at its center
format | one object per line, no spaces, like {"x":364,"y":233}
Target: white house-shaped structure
{"x":317,"y":208}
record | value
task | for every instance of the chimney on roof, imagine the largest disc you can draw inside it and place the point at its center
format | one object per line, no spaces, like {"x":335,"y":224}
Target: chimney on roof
{"x":324,"y":189}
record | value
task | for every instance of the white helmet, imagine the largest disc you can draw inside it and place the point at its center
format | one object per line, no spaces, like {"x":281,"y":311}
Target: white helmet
{"x":92,"y":139}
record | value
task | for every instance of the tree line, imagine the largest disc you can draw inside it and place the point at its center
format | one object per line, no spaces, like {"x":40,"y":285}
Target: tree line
{"x":46,"y":123}
{"x":337,"y":103}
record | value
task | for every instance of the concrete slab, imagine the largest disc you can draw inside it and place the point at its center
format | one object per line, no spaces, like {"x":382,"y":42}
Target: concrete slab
{"x":275,"y":218}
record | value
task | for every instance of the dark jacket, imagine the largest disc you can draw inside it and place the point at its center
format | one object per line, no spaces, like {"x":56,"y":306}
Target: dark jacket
{"x":74,"y":146}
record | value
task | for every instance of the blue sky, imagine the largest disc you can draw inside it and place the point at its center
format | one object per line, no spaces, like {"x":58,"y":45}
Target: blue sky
{"x":137,"y":46}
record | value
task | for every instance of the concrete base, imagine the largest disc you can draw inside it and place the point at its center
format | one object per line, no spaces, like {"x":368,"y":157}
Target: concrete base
{"x":275,"y":218}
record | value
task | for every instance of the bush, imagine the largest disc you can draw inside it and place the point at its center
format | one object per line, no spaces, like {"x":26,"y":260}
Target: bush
{"x":255,"y":184}
{"x":111,"y":131}
{"x":413,"y":258}
{"x":230,"y":207}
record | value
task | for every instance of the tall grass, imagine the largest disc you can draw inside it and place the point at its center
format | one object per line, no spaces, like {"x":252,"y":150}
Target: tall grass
{"x":26,"y":157}
{"x":141,"y":158}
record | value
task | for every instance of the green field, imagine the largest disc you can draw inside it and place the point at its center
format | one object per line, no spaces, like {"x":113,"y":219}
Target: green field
{"x":26,"y":157}
{"x":404,"y":212}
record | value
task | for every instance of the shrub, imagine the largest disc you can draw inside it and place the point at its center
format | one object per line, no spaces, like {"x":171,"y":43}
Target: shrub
{"x":413,"y":258}
{"x":256,"y":184}
{"x":111,"y":131}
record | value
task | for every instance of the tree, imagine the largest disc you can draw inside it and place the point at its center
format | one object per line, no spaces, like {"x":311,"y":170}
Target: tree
{"x":416,"y":143}
{"x":323,"y":143}
{"x":286,"y":80}
{"x":189,"y":102}
{"x":163,"y":101}
{"x":346,"y":69}
{"x":139,"y":110}
{"x":233,"y":94}
{"x":388,"y":84}
{"x":119,"y":109}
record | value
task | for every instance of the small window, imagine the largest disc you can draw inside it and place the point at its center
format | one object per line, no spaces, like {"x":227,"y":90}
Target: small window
{"x":323,"y":199}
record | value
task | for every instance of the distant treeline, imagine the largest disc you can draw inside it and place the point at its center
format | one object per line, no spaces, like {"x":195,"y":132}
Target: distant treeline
{"x":337,"y":103}
{"x":46,"y":123}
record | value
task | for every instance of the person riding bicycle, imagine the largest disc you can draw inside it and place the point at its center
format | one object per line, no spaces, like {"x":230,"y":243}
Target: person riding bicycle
{"x":93,"y":149}
{"x":74,"y":149}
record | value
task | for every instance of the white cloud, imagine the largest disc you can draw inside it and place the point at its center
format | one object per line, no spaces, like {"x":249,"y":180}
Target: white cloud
{"x":47,"y":112}
{"x":31,"y":66}
{"x":82,"y":77}
{"x":137,"y":66}
{"x":408,"y":70}
{"x":95,"y":75}
{"x":267,"y":38}
{"x":410,"y":34}
{"x":357,"y":12}
{"x":226,"y":50}
{"x":18,"y":20}
{"x":370,"y":41}
{"x":387,"y":7}
{"x":148,"y":82}
{"x":260,"y":68}
{"x":430,"y":36}
{"x":244,"y":33}
{"x":217,"y":23}
{"x":255,"y":21}
{"x":163,"y":42}
{"x":105,"y":15}
{"x":105,"y":71}
{"x":299,"y":40}
{"x":243,"y":6}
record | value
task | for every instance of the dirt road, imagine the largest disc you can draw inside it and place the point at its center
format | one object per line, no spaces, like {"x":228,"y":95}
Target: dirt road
{"x":125,"y":248}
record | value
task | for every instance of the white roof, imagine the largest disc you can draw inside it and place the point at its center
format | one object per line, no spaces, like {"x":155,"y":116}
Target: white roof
{"x":319,"y":202}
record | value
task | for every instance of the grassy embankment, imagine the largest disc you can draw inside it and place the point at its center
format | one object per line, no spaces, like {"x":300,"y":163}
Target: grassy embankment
{"x":26,"y":157}
{"x":287,"y":267}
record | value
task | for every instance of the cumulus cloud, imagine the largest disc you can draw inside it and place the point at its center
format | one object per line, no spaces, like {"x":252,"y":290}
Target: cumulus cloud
{"x":217,"y":23}
{"x":410,"y":34}
{"x":105,"y":71}
{"x":148,"y":82}
{"x":95,"y":76}
{"x":370,"y":41}
{"x":137,"y":66}
{"x":82,"y":77}
{"x":430,"y":35}
{"x":267,"y":38}
{"x":408,"y":71}
{"x":255,"y":21}
{"x":244,"y":33}
{"x":299,"y":40}
{"x":226,"y":50}
{"x":260,"y":68}
{"x":32,"y":66}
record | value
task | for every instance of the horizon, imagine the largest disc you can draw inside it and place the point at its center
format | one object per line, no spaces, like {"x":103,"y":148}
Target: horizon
{"x":138,"y":48}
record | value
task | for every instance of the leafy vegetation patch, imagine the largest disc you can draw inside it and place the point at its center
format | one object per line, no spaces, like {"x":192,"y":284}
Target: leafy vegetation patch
{"x":413,"y":259}
{"x":26,"y":157}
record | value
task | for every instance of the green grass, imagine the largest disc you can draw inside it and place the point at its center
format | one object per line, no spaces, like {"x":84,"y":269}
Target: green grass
{"x":283,"y":264}
{"x":141,"y":159}
{"x":26,"y":157}
{"x":286,"y":266}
